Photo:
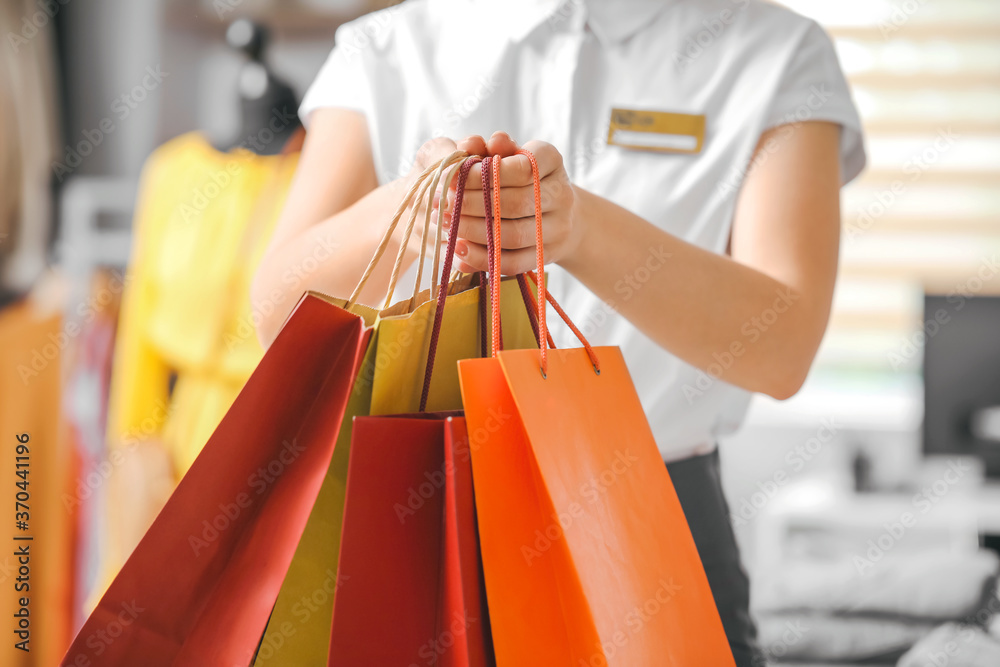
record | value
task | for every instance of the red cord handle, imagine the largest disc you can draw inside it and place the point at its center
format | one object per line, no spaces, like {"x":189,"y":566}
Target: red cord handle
{"x":495,"y":260}
{"x":484,"y":282}
{"x":449,"y":256}
{"x":535,"y":307}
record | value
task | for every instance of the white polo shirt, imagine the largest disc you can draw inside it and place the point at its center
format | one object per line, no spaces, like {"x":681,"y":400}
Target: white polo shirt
{"x":552,"y":70}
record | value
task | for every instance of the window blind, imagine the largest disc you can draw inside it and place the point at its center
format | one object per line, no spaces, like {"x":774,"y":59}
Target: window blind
{"x":925,"y":214}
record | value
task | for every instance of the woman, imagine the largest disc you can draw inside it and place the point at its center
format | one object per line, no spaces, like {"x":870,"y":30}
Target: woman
{"x":692,"y":153}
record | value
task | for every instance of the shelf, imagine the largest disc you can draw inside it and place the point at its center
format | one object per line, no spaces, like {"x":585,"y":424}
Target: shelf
{"x":283,"y":18}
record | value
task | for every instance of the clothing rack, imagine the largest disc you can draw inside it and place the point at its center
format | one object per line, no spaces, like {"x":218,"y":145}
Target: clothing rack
{"x":85,"y":242}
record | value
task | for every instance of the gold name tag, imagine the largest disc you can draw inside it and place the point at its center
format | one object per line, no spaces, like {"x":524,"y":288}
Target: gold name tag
{"x":656,"y":131}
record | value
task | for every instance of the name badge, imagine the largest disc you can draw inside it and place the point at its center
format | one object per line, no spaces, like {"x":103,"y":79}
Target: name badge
{"x":657,"y":131}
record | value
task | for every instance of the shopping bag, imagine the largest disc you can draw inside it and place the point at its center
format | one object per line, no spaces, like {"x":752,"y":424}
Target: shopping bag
{"x":298,"y":631}
{"x":411,"y":589}
{"x":392,"y":380}
{"x":199,"y":587}
{"x":587,"y":555}
{"x":462,"y":612}
{"x":409,"y":544}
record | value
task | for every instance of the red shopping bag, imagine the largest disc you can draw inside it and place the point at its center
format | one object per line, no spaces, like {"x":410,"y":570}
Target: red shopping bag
{"x":587,"y":555}
{"x":199,"y":587}
{"x":463,"y":587}
{"x":408,"y":545}
{"x":411,"y":586}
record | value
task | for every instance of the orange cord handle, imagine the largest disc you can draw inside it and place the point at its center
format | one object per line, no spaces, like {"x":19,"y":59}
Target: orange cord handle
{"x":495,"y":268}
{"x":565,"y":318}
{"x":543,"y":295}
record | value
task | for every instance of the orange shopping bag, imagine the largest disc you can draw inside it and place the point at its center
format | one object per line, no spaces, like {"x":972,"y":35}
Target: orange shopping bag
{"x":587,"y":556}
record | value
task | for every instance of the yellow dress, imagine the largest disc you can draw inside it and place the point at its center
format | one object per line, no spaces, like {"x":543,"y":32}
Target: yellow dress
{"x":186,"y":340}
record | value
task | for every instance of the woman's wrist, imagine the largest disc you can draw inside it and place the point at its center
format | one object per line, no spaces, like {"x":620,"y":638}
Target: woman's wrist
{"x":576,"y":256}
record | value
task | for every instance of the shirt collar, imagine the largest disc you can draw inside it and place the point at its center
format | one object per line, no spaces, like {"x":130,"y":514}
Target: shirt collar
{"x":612,"y":21}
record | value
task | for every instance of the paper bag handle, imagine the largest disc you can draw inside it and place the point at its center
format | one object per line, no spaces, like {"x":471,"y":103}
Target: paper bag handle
{"x":412,"y":195}
{"x":543,"y":294}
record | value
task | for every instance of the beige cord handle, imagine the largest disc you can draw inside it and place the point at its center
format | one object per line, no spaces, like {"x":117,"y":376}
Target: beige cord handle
{"x":427,"y":189}
{"x":456,"y":157}
{"x":417,"y":185}
{"x":407,"y":232}
{"x":439,"y":232}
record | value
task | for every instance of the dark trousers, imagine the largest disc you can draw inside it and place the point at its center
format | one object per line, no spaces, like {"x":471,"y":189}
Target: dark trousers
{"x":699,"y":489}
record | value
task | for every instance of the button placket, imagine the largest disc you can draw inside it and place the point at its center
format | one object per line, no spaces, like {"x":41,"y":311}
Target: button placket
{"x":557,"y":79}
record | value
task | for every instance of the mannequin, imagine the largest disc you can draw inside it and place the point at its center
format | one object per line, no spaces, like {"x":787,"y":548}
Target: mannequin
{"x":268,"y":105}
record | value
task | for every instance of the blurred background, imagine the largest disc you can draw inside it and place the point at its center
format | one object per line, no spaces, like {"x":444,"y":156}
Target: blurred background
{"x":867,"y":506}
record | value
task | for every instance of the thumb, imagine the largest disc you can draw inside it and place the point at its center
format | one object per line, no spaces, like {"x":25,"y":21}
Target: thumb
{"x":432,"y":151}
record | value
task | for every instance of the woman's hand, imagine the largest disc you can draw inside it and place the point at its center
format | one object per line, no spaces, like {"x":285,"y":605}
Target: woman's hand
{"x":431,"y":152}
{"x":562,"y":227}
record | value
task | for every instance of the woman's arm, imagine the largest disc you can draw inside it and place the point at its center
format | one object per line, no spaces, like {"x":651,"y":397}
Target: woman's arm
{"x":759,"y":314}
{"x":333,"y":219}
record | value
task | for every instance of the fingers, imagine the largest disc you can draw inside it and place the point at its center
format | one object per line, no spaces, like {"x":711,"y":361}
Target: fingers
{"x":549,"y":161}
{"x":432,"y":151}
{"x":517,"y":200}
{"x":474,"y":145}
{"x":514,"y":234}
{"x":500,"y":144}
{"x":471,"y":257}
{"x":514,"y":202}
{"x":515,"y":170}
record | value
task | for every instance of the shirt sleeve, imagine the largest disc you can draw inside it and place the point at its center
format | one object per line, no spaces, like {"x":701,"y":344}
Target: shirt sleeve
{"x":813,"y":88}
{"x":342,"y":81}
